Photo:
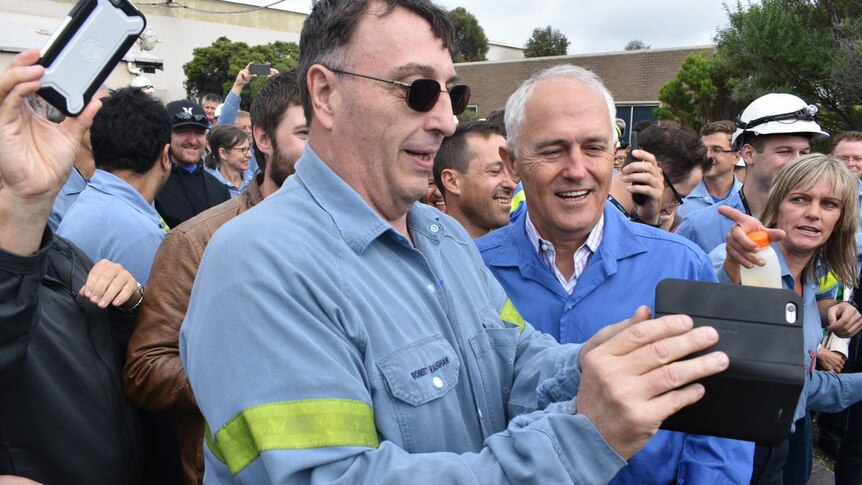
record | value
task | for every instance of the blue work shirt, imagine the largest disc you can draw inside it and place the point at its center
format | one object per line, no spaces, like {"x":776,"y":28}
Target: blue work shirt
{"x":234,"y":191}
{"x":700,"y":198}
{"x":707,"y":227}
{"x":75,"y":184}
{"x":339,"y":351}
{"x":620,"y":276}
{"x":859,"y":230}
{"x":111,"y":220}
{"x":824,"y":391}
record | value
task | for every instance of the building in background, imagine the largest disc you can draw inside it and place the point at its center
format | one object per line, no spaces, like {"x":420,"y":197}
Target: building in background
{"x":178,"y":26}
{"x":633,"y":77}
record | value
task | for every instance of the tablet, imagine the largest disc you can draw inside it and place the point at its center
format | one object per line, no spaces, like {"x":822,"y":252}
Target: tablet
{"x":760,"y":329}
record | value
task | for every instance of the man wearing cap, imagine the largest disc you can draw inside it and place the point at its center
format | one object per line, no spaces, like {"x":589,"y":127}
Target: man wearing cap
{"x":773,"y":130}
{"x":190,"y":190}
{"x":719,"y":181}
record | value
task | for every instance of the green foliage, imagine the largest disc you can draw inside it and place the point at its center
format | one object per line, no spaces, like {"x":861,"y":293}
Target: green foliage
{"x":213,"y":69}
{"x":699,"y":93}
{"x":812,"y":49}
{"x":469,"y":36}
{"x":546,"y":42}
{"x":794,"y":46}
{"x":636,"y":45}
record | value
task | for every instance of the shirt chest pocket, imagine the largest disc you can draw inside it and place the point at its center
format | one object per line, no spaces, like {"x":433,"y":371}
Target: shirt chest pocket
{"x":419,"y":376}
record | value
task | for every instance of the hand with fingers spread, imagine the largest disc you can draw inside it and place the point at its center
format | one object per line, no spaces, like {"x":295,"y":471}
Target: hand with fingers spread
{"x":843,"y":320}
{"x":37,"y":155}
{"x":644,"y":177}
{"x":633,"y":379}
{"x":741,"y":250}
{"x":110,"y":284}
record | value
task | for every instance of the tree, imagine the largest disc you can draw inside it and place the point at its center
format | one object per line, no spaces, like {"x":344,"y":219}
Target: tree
{"x":213,"y":69}
{"x":469,"y":36}
{"x":699,"y":93}
{"x":546,"y":42}
{"x":636,"y":45}
{"x":811,"y":49}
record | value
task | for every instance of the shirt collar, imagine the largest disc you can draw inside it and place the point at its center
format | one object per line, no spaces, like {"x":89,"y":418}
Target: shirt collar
{"x":547,"y":253}
{"x":358,"y":224}
{"x":112,"y":185}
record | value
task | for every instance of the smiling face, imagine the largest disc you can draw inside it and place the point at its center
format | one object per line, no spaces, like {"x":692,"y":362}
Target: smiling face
{"x":565,"y":159}
{"x":433,"y":196}
{"x":850,"y":153}
{"x":236,"y":158}
{"x":210,"y":110}
{"x":808,"y":216}
{"x":717,"y":149}
{"x":187,"y":144}
{"x":487,"y":187}
{"x":380,"y":146}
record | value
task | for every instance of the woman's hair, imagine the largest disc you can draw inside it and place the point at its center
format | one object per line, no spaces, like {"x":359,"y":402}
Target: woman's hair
{"x":838,"y":255}
{"x":223,"y":136}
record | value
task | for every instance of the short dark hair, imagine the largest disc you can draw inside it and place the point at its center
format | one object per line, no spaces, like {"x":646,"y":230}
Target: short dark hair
{"x":223,"y":136}
{"x":846,"y":136}
{"x":129,"y":131}
{"x":455,"y":154}
{"x":329,"y":28}
{"x":268,"y":107}
{"x":498,"y":118}
{"x":721,"y":126}
{"x":677,"y":151}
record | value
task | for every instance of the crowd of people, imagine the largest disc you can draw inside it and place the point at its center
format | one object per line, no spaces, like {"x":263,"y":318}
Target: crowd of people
{"x":345,"y":285}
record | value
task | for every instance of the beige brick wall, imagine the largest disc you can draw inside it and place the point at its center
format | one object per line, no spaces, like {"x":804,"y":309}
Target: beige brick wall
{"x":631,"y":76}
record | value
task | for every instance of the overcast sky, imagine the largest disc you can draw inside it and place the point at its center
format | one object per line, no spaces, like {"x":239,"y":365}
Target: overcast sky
{"x":600,"y":25}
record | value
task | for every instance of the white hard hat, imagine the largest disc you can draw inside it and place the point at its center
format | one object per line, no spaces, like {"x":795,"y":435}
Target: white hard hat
{"x":776,"y":113}
{"x":144,"y":84}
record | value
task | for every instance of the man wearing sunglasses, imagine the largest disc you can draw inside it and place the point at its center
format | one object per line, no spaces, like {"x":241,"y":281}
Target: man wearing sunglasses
{"x":190,"y":189}
{"x":359,"y":340}
{"x":574,"y":264}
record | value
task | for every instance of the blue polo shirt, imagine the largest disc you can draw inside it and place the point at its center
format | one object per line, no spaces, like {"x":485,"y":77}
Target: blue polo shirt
{"x":75,"y":184}
{"x":707,"y":227}
{"x":111,"y":220}
{"x":699,"y":198}
{"x":620,"y":276}
{"x":234,"y":191}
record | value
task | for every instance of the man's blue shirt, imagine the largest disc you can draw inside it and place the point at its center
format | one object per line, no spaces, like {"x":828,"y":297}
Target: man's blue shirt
{"x":75,"y":184}
{"x":329,"y":307}
{"x":111,"y":220}
{"x":707,"y":227}
{"x":699,"y":198}
{"x":620,"y":276}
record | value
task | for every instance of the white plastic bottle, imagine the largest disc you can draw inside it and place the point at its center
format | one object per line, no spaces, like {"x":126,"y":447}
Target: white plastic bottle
{"x":768,"y":275}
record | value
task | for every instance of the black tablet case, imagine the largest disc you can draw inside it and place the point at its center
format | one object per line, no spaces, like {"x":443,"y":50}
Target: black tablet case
{"x":754,"y":399}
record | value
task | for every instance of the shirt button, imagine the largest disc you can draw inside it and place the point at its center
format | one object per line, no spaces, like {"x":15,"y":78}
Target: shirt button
{"x":480,"y":413}
{"x":437,"y":382}
{"x":434,"y":228}
{"x":431,"y":288}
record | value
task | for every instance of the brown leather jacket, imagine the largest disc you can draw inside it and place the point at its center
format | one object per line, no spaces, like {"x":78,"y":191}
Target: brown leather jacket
{"x":154,"y":376}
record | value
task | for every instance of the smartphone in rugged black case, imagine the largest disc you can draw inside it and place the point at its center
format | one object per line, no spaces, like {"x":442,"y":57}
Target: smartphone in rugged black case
{"x":760,"y":329}
{"x":84,"y":50}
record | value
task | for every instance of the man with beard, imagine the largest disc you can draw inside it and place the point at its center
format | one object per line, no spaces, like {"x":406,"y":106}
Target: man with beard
{"x":154,"y":375}
{"x":190,"y":189}
{"x":474,"y":181}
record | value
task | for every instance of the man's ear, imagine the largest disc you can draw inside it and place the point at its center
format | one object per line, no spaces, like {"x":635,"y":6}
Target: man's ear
{"x":747,"y":154}
{"x":324,"y":95}
{"x":509,"y":161}
{"x":165,"y":157}
{"x":451,"y":181}
{"x":261,"y":140}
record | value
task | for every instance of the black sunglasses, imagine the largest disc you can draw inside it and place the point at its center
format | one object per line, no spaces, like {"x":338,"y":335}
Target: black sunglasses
{"x":422,"y":94}
{"x":186,"y":116}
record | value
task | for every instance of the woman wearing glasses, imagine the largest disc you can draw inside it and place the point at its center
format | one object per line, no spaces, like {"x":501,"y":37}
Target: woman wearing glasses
{"x":813,"y":203}
{"x":230,"y":151}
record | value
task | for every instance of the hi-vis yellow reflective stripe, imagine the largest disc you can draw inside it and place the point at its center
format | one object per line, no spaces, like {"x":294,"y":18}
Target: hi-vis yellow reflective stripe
{"x":293,"y":425}
{"x":517,"y":200}
{"x":511,"y":314}
{"x":827,"y":282}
